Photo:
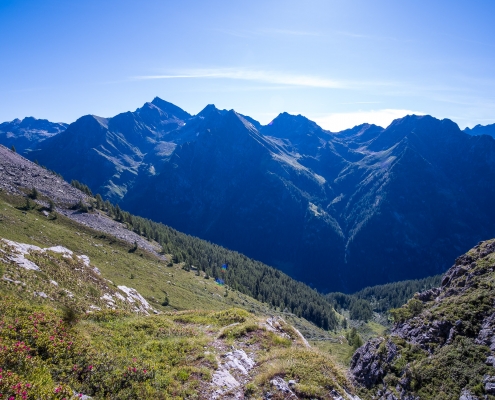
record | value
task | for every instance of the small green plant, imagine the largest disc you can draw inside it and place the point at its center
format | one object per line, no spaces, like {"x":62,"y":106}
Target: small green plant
{"x":354,"y":340}
{"x":411,"y":309}
{"x":70,"y":316}
{"x":165,"y":301}
{"x":250,"y":389}
{"x":13,"y":148}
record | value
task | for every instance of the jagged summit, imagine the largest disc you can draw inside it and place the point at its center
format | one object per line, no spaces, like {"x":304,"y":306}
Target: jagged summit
{"x":418,"y":128}
{"x":209,"y":110}
{"x":170,"y":108}
{"x":290,"y":126}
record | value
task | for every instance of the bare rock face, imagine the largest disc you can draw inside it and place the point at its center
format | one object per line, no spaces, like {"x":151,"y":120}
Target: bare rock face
{"x":424,"y":334}
{"x":369,"y":363}
{"x":467,"y":395}
{"x":428,"y":295}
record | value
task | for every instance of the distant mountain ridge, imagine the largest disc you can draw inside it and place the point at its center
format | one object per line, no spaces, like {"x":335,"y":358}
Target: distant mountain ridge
{"x":23,"y":134}
{"x":481,"y":130}
{"x":340,"y":211}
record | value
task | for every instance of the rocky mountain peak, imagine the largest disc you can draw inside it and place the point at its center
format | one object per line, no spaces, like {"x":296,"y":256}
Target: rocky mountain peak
{"x":210,"y":110}
{"x":288,"y":126}
{"x":92,"y":121}
{"x":419,"y":128}
{"x":170,"y":109}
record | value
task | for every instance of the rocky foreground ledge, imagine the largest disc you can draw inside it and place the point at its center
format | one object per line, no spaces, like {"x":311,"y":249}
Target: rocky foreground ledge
{"x":442,"y":345}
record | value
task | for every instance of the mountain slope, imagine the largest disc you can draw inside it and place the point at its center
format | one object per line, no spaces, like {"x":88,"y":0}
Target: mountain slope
{"x":340,"y":211}
{"x":231,"y":175}
{"x":423,"y":196}
{"x":361,"y":204}
{"x":252,"y":278}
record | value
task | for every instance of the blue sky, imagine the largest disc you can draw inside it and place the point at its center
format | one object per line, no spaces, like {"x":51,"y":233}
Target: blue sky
{"x":338,"y":62}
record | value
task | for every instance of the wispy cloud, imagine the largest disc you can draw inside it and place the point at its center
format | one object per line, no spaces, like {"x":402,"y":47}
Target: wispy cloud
{"x":339,"y":121}
{"x":271,"y":77}
{"x":236,"y":33}
{"x":353,"y":35}
{"x":372,"y":37}
{"x":288,"y":32}
{"x":363,"y":102}
{"x":244,"y":33}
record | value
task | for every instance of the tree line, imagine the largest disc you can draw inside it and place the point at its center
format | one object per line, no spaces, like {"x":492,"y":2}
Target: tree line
{"x":380,"y":298}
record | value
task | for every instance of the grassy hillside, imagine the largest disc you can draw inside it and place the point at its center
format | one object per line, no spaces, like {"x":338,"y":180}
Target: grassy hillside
{"x":69,"y":327}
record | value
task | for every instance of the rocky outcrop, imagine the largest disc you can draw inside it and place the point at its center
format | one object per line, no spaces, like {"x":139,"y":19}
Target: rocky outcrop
{"x":370,"y":362}
{"x":457,"y":316}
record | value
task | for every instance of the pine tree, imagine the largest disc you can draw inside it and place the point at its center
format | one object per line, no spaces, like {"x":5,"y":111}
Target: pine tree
{"x":29,"y":204}
{"x":99,"y":202}
{"x":33,"y":194}
{"x":51,"y":205}
{"x":13,"y":149}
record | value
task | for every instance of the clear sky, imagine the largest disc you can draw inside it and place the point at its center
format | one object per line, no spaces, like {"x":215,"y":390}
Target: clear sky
{"x":338,"y":62}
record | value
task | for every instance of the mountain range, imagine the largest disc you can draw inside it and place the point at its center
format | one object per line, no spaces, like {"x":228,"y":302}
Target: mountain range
{"x":339,"y":211}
